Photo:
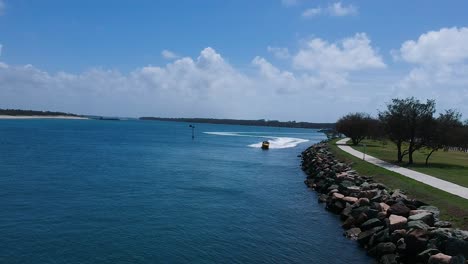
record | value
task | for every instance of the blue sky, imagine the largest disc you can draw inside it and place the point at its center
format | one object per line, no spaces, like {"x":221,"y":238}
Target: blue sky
{"x":236,"y":59}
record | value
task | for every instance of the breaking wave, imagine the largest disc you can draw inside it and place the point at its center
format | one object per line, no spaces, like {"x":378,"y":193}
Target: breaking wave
{"x":275,"y":142}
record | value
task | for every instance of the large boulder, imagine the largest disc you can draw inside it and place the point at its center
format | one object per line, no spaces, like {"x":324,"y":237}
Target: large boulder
{"x":426,"y":254}
{"x":439,"y":259}
{"x":434,"y":210}
{"x":365,"y":236}
{"x":426,"y":217}
{"x":397,"y":222}
{"x":399,"y":209}
{"x":350,"y":199}
{"x":352,"y":233}
{"x":443,"y":224}
{"x":418,"y":224}
{"x":416,"y":241}
{"x":371,"y":223}
{"x":456,"y":246}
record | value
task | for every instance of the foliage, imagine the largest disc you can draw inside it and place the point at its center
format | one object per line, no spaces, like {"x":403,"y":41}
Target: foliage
{"x":18,"y":112}
{"x":408,"y":120}
{"x":260,"y":122}
{"x":356,"y":126}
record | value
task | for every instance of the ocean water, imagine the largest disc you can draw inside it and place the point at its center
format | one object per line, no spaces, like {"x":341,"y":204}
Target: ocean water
{"x":83,"y":191}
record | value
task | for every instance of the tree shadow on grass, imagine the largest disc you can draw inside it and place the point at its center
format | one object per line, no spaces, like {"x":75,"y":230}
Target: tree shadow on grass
{"x":434,"y":165}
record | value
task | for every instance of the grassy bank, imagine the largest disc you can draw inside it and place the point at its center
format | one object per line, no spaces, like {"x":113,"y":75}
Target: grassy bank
{"x":450,"y":166}
{"x":452,"y":207}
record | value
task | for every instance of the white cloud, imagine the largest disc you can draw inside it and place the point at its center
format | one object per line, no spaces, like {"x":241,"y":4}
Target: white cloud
{"x":206,"y":86}
{"x":326,"y":80}
{"x":169,"y":55}
{"x":446,"y":46}
{"x":338,"y":9}
{"x":280,"y":53}
{"x":441,"y":67}
{"x":312,"y":12}
{"x":335,"y":9}
{"x":351,"y":54}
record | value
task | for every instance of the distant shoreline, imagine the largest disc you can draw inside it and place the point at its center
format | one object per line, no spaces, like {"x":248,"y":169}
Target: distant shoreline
{"x":42,"y":117}
{"x":260,"y":122}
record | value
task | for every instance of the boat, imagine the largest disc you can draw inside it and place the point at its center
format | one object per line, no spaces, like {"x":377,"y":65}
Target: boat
{"x":265,"y":145}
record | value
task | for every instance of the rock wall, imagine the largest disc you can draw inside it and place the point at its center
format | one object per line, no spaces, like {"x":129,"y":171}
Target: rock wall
{"x":389,"y":225}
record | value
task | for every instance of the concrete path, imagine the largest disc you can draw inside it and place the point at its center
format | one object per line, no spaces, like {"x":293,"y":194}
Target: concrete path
{"x":420,"y":177}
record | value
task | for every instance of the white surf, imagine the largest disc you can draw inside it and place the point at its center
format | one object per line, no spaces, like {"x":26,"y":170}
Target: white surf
{"x":275,"y":142}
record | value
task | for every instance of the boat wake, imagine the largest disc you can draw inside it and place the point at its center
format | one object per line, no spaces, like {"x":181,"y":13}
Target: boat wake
{"x":275,"y":142}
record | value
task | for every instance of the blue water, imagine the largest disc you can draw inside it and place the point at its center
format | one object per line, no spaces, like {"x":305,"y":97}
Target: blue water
{"x":82,"y":191}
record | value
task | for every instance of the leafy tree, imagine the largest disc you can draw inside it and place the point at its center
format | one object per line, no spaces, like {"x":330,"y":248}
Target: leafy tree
{"x":441,"y":134}
{"x":355,"y":126}
{"x":408,"y":120}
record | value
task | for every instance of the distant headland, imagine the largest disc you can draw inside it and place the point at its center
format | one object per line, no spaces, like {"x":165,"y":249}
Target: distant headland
{"x":260,"y":122}
{"x":33,"y":114}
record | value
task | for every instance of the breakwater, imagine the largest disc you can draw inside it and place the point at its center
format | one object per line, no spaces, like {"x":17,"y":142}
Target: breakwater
{"x":392,"y":227}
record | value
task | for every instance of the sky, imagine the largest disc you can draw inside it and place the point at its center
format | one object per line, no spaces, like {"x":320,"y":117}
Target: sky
{"x":303,"y":60}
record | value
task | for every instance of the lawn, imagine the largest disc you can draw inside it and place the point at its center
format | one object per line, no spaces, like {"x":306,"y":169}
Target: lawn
{"x":453,"y":208}
{"x":450,"y":166}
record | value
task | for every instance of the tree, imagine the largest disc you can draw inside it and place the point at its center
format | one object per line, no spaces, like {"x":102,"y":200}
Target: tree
{"x":444,"y":133}
{"x":355,"y":126}
{"x":408,"y":120}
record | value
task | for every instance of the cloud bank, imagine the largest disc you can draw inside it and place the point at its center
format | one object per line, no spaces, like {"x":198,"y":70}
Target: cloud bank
{"x":319,"y":81}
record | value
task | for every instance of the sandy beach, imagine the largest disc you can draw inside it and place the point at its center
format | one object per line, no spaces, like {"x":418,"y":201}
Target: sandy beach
{"x":41,"y":117}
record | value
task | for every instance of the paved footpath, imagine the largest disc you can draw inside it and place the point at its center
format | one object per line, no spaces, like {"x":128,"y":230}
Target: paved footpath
{"x":420,"y":177}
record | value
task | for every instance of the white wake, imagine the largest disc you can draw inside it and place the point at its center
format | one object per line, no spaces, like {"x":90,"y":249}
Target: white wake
{"x":275,"y":142}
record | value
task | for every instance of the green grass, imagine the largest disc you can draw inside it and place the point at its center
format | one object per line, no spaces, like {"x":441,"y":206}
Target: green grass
{"x":452,"y":207}
{"x":451,"y":166}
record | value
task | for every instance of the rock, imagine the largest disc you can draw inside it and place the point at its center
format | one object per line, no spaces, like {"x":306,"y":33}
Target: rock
{"x":371,"y":223}
{"x":397,"y":234}
{"x":385,"y":248}
{"x":443,"y":224}
{"x":414,"y":212}
{"x":353,"y":190}
{"x":348,"y":223}
{"x":322,"y":198}
{"x":363,"y":201}
{"x":361,"y":219}
{"x":397,"y":222}
{"x":382,"y":236}
{"x":434,"y":210}
{"x":388,"y":259}
{"x":382,"y":216}
{"x":346,"y":212}
{"x":345,"y":184}
{"x":337,"y":196}
{"x":457,"y":260}
{"x":352,"y":233}
{"x":399,"y":209}
{"x":398,"y":194}
{"x":418,"y":224}
{"x":359,"y":210}
{"x":350,"y":199}
{"x":416,"y":241}
{"x":365,"y":236}
{"x":335,"y":206}
{"x":455,"y":246}
{"x":426,"y":254}
{"x":372,"y":213}
{"x":439,"y":259}
{"x":427,"y":218}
